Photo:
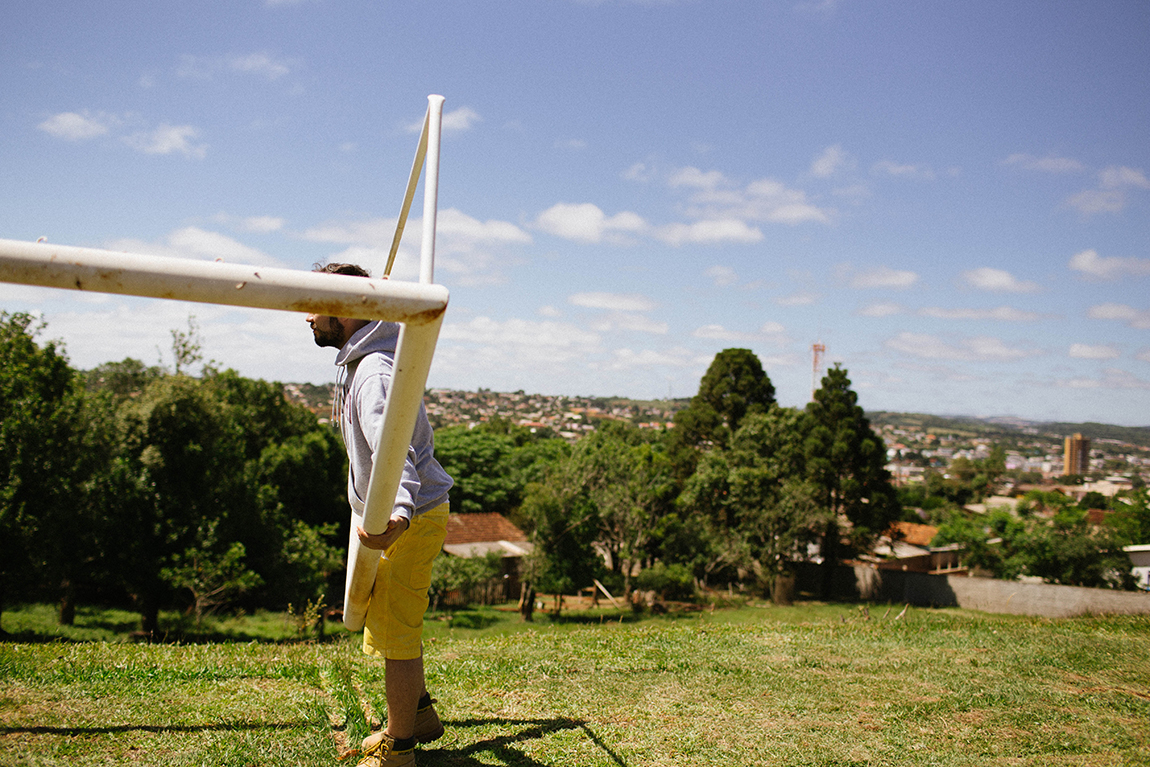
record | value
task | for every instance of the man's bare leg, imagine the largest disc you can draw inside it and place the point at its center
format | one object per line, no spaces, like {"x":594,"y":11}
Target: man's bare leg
{"x":404,"y":684}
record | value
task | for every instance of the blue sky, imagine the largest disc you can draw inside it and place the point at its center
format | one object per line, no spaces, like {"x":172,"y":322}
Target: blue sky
{"x":953,"y":197}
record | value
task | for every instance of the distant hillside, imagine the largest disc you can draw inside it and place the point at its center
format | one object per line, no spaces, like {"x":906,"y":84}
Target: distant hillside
{"x":1000,"y":427}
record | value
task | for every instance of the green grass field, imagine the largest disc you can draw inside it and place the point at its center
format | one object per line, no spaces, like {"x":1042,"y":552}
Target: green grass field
{"x":759,"y":685}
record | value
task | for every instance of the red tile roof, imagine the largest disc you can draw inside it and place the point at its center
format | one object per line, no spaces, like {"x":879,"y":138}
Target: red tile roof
{"x":481,"y":528}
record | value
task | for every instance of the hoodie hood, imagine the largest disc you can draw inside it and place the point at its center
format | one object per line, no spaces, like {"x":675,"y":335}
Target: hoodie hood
{"x":378,"y":336}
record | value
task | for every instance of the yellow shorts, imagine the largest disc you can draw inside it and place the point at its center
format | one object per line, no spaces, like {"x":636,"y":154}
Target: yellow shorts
{"x":394,"y":625}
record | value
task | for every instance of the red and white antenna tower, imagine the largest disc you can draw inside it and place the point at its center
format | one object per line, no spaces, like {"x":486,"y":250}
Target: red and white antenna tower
{"x":817,"y":350}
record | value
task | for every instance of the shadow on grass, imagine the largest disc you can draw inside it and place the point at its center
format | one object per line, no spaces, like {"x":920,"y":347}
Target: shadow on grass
{"x":219,"y":727}
{"x":502,"y":747}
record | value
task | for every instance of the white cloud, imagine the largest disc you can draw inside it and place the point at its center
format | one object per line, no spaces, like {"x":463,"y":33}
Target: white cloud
{"x":722,"y":276}
{"x":522,"y":343}
{"x":1135,"y":318}
{"x":980,"y":349}
{"x":997,"y":280}
{"x":549,"y":311}
{"x":717,"y":198}
{"x":802,"y":298}
{"x":623,"y":359}
{"x":829,"y":162}
{"x":902,"y":170}
{"x":771,"y":328}
{"x":1112,"y":193}
{"x":708,"y":232}
{"x":696,"y":179}
{"x":1047,"y":164}
{"x":616,"y":302}
{"x":884,"y":277}
{"x":587,"y":223}
{"x":630,"y":321}
{"x":169,"y":139}
{"x":880,"y":309}
{"x":74,"y":126}
{"x":720,"y":333}
{"x":1086,"y":352}
{"x":464,"y":245}
{"x":1091,"y":264}
{"x":455,"y":121}
{"x":1001,"y":313}
{"x":259,"y":64}
{"x":262,"y":224}
{"x":197,"y":243}
{"x":571,"y":143}
{"x":1121,"y":177}
{"x":1112,"y":378}
{"x":639,"y":172}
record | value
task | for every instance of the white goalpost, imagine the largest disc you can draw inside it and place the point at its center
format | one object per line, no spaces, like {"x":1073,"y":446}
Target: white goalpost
{"x":418,"y":306}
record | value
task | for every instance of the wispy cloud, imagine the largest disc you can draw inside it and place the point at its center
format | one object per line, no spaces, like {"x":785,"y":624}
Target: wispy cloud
{"x":722,"y":276}
{"x":884,"y":277}
{"x":465,"y":246}
{"x":454,"y":121}
{"x":1001,"y":313}
{"x":260,"y":64}
{"x":1112,"y":378}
{"x":1087,"y":352}
{"x":829,"y":162}
{"x":1112,"y":192}
{"x":998,"y":281}
{"x":710,"y":231}
{"x":77,"y":126}
{"x":902,"y":170}
{"x":169,"y":139}
{"x":715,"y":197}
{"x":802,"y":298}
{"x":978,"y":349}
{"x":1112,"y":268}
{"x":587,"y":223}
{"x":197,"y":243}
{"x":1047,"y":164}
{"x":619,"y":302}
{"x":881,"y":309}
{"x":1135,"y":318}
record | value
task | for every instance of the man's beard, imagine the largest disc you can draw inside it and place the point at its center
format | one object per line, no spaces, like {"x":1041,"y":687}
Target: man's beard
{"x":327,"y":332}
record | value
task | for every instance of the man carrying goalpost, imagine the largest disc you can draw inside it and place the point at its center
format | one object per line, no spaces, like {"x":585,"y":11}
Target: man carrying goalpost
{"x":414,"y":535}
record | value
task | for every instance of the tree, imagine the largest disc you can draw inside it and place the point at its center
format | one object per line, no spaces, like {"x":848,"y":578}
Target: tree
{"x":752,"y":499}
{"x":38,"y":418}
{"x":185,"y":457}
{"x":846,"y":466}
{"x":733,"y":387}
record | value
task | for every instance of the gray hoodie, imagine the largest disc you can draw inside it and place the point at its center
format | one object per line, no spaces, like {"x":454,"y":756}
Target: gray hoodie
{"x":368,"y":358}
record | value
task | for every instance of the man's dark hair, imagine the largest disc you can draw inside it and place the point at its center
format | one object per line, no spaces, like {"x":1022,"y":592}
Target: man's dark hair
{"x":353,"y":270}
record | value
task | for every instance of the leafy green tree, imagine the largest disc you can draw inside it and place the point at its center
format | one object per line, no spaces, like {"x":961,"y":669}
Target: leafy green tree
{"x":846,"y":466}
{"x":185,"y":455}
{"x":1071,"y":551}
{"x":479,"y":461}
{"x":213,"y":573}
{"x":1131,"y":517}
{"x":40,"y":413}
{"x":753,"y":500}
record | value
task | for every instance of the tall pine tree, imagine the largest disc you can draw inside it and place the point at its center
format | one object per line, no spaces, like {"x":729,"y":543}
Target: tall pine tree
{"x":845,"y":463}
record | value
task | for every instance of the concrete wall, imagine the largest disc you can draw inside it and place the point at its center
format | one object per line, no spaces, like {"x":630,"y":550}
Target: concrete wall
{"x":870,"y":584}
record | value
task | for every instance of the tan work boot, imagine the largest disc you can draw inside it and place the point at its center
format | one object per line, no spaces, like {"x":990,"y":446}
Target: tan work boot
{"x":379,"y":751}
{"x":427,"y":724}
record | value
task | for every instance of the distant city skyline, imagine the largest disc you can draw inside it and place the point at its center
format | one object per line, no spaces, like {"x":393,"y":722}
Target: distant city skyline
{"x":953,"y":198}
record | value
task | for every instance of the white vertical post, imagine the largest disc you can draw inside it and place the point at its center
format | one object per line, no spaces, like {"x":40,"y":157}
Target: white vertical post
{"x":431,"y":189}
